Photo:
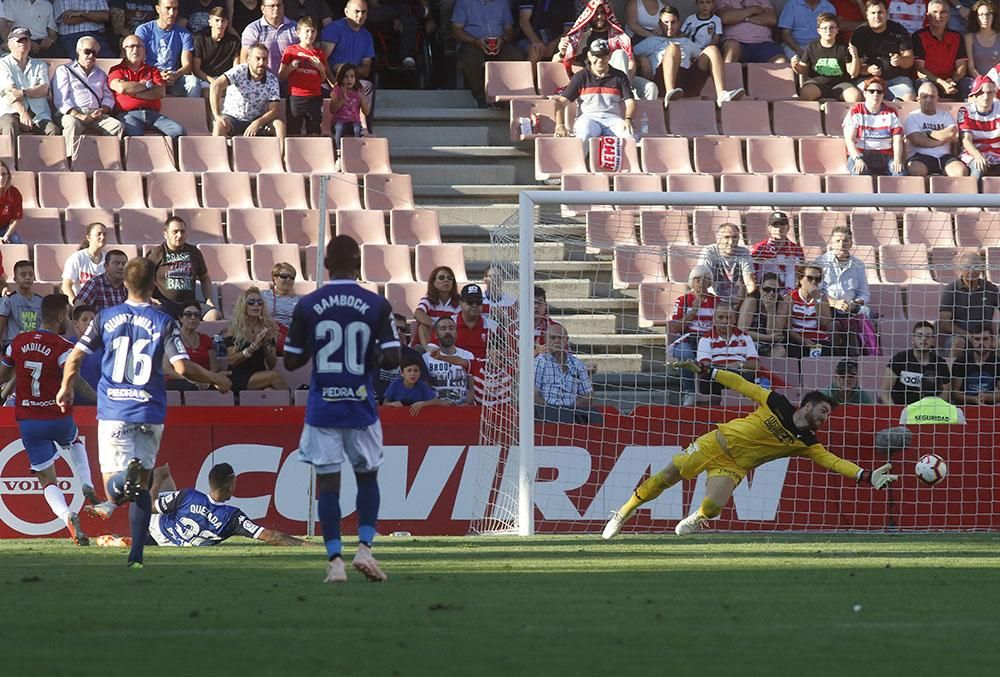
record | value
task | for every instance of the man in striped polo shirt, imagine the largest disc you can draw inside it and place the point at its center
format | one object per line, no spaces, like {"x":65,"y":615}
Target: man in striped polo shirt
{"x":873,"y":134}
{"x":604,"y":93}
{"x":980,"y":128}
{"x":726,"y":347}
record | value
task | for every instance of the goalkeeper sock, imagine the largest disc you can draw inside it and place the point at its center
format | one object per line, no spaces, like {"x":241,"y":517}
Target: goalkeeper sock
{"x":78,"y":454}
{"x":647,"y":491}
{"x":367,"y":505}
{"x":329,"y":521}
{"x":139,"y":514}
{"x":709,"y":509}
{"x":115,"y":486}
{"x":57,"y":502}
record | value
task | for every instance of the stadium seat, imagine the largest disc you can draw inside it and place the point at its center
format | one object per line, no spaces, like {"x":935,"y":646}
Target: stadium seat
{"x":874,"y":228}
{"x":649,"y":119}
{"x":341,"y":192}
{"x":149,"y":154}
{"x":204,"y":225}
{"x":265,"y":398}
{"x":787,"y":370}
{"x":281,"y":191}
{"x":557,"y":156}
{"x":733,"y":75}
{"x":430,"y":256}
{"x":367,"y":155}
{"x":208,"y":398}
{"x":680,"y":260}
{"x":630,"y":157}
{"x":552,"y":77}
{"x":263,"y":258}
{"x":834,"y":113}
{"x":174,"y":398}
{"x":846,"y":183}
{"x":225,"y":262}
{"x":796,"y":118}
{"x":40,"y":224}
{"x":943,"y":260}
{"x":887,"y":301}
{"x":142,"y":226}
{"x":706,"y":222}
{"x":770,"y":82}
{"x":118,"y":190}
{"x":310,"y":155}
{"x":745,"y":117}
{"x":542,"y":109}
{"x":257,"y":155}
{"x":98,"y":153}
{"x":666,"y":156}
{"x":382,"y":263}
{"x":923,"y":301}
{"x":506,"y":80}
{"x":816,"y":373}
{"x":663,"y":228}
{"x":298,"y":226}
{"x":388,"y":191}
{"x":25,"y":182}
{"x":609,"y":229}
{"x":597,"y":183}
{"x":930,"y":228}
{"x":405,"y":296}
{"x":229,"y":292}
{"x":745,"y":183}
{"x":904,"y":263}
{"x":976,"y":229}
{"x":993,"y":264}
{"x":7,"y":150}
{"x":690,"y":183}
{"x":797,"y":183}
{"x":692,"y":118}
{"x":868,"y":254}
{"x":63,"y":190}
{"x":190,"y":113}
{"x":771,"y":155}
{"x":908,"y":185}
{"x":251,"y":226}
{"x":309,"y":256}
{"x":50,"y":259}
{"x":226,"y":190}
{"x":638,"y":183}
{"x":718,"y":155}
{"x":822,"y":155}
{"x":990,"y":186}
{"x":366,"y":226}
{"x":815,"y":226}
{"x":203,"y":154}
{"x":77,"y":220}
{"x":299,"y":397}
{"x":12,"y":253}
{"x":172,"y":190}
{"x":41,"y":153}
{"x":953,"y":185}
{"x":633,"y":266}
{"x":656,"y":302}
{"x":414,"y":226}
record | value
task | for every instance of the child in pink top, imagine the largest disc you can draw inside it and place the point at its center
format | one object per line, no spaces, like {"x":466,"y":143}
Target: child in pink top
{"x":347,"y":104}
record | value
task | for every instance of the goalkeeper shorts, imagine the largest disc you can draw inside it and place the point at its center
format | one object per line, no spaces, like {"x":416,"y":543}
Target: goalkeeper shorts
{"x":705,"y":454}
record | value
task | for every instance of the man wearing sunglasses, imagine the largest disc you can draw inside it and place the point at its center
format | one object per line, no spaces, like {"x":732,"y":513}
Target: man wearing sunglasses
{"x":472,"y":332}
{"x":806,"y":315}
{"x":873,"y":134}
{"x":81,"y":93}
{"x":979,"y":124}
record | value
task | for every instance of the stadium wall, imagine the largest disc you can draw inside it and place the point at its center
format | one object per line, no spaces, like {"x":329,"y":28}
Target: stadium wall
{"x":429,"y":488}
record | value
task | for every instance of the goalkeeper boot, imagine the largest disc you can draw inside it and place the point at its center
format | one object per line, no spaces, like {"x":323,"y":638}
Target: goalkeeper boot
{"x":132,"y":475}
{"x":690,"y":524}
{"x":102,"y":511}
{"x":335,"y":572}
{"x":614,"y":525}
{"x":90,"y":495}
{"x":73,"y":524}
{"x":368,"y":565}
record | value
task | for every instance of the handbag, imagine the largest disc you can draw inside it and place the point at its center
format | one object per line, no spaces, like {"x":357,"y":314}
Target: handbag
{"x":864,"y":329}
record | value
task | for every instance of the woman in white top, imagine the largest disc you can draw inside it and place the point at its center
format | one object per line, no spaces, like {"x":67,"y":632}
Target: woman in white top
{"x":280,"y":300}
{"x":642,"y":18}
{"x":86,"y":263}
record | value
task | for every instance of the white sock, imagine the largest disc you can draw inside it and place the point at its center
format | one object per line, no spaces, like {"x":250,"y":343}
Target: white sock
{"x":57,"y":502}
{"x":78,"y":455}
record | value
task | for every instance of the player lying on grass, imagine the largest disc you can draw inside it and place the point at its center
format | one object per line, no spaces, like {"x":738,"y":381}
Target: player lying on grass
{"x":774,"y":430}
{"x":189,"y":517}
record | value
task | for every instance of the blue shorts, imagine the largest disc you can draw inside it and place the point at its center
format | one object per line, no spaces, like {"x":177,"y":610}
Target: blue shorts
{"x":40,"y":437}
{"x":760,"y":52}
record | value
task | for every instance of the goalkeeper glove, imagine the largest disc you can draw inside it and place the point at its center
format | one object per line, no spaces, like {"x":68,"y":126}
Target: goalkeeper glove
{"x":879,"y":477}
{"x":691,"y":366}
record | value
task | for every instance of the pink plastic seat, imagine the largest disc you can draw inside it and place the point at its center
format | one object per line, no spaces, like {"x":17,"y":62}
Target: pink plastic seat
{"x":142,"y":226}
{"x":822,"y":155}
{"x":690,"y":183}
{"x":367,"y":155}
{"x":172,"y":190}
{"x":149,"y":154}
{"x":707,"y":221}
{"x":263,"y":258}
{"x":191,"y":113}
{"x":943,"y":259}
{"x":771,"y":155}
{"x":610,"y":229}
{"x":225,"y":262}
{"x":875,"y":228}
{"x":226,"y":190}
{"x":633,"y":266}
{"x":597,"y":183}
{"x":118,"y":190}
{"x":298,"y":226}
{"x":257,"y":155}
{"x":770,"y":82}
{"x":405,"y":296}
{"x":558,"y":156}
{"x":203,"y":154}
{"x":796,"y":183}
{"x":382,"y":263}
{"x":542,"y":109}
{"x":26,"y":184}
{"x":733,"y":75}
{"x":630,"y":157}
{"x":63,"y":190}
{"x":341,"y":192}
{"x":745,"y":183}
{"x":680,"y":260}
{"x":281,"y":191}
{"x":265,"y":398}
{"x":98,"y":153}
{"x":692,"y":118}
{"x":909,"y":185}
{"x":41,"y":153}
{"x":388,"y":191}
{"x":745,"y":117}
{"x":430,"y":256}
{"x":366,"y":226}
{"x":310,"y":155}
{"x":638,"y":183}
{"x":797,"y":118}
{"x":506,"y":80}
{"x":203,"y":225}
{"x":887,"y":301}
{"x":815,"y":227}
{"x":552,"y":77}
{"x":656,"y":302}
{"x":923,"y":301}
{"x":976,"y":229}
{"x":650,"y":120}
{"x":718,"y":155}
{"x":251,"y":226}
{"x":77,"y":220}
{"x":953,"y":185}
{"x":414,"y":226}
{"x":663,"y":228}
{"x":930,"y":228}
{"x":50,"y":259}
{"x":904,"y":264}
{"x":40,"y":224}
{"x":834,"y":113}
{"x":669,"y":155}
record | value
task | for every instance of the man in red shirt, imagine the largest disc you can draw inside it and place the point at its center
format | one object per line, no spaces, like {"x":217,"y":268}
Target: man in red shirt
{"x":777,"y":254}
{"x":138,"y":89}
{"x":472,"y":332}
{"x":939,"y":52}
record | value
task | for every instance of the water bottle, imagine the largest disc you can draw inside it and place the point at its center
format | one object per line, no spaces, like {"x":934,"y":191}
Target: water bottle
{"x":644,"y":126}
{"x":816,"y":352}
{"x":220,"y":350}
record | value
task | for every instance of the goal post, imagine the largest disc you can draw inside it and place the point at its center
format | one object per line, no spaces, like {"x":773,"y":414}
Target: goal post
{"x":576,"y":492}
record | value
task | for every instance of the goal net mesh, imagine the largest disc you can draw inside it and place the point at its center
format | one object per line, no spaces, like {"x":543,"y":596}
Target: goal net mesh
{"x":618,"y":282}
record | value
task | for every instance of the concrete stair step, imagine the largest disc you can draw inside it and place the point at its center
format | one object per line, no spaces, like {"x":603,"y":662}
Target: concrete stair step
{"x":566,"y":290}
{"x":483,"y":254}
{"x":589,"y":324}
{"x":452,"y":116}
{"x":624,"y":362}
{"x":442,"y":173}
{"x":427,"y":136}
{"x":473,"y":215}
{"x":474,"y":193}
{"x":390,"y":100}
{"x":590,"y":305}
{"x":613,"y":343}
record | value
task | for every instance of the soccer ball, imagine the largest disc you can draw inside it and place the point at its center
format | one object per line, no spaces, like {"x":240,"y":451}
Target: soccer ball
{"x":931,"y":469}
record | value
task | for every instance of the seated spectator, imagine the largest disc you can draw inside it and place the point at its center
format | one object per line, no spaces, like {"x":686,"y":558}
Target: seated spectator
{"x":409,"y":390}
{"x":873,"y":135}
{"x":485,"y":31}
{"x":642,"y":19}
{"x":777,"y":254}
{"x":169,"y":49}
{"x":799,"y":23}
{"x":138,"y":89}
{"x":830,"y":67}
{"x":319,"y":10}
{"x":730,"y":265}
{"x":542,"y":25}
{"x":691,"y":319}
{"x":178,"y":266}
{"x":242,"y":13}
{"x":726,"y":347}
{"x":195,"y":15}
{"x":200,"y":349}
{"x":441,"y":300}
{"x":216,"y":50}
{"x":273,"y":30}
{"x":979,"y":123}
{"x":85,"y":264}
{"x":684,"y":66}
{"x":746,"y":31}
{"x":931,"y":136}
{"x":401,"y":17}
{"x":303,"y":65}
{"x":39,"y":18}
{"x":886,"y":52}
{"x":250,"y":345}
{"x":406,"y":353}
{"x":704,"y":27}
{"x":851,"y":14}
{"x":77,"y":18}
{"x":11,"y":208}
{"x":908,"y":13}
{"x":347,"y":105}
{"x":606,"y":102}
{"x":253,"y":100}
{"x":939,"y":52}
{"x":348,"y":41}
{"x":759,"y":317}
{"x":107,"y":289}
{"x":493,"y":378}
{"x":845,"y":280}
{"x":128,"y":15}
{"x":563,"y":391}
{"x":19,"y":310}
{"x":845,"y":388}
{"x":981,"y":42}
{"x":24,"y":83}
{"x":471,"y":330}
{"x":448,"y":365}
{"x":80,"y":92}
{"x":969,"y":301}
{"x":542,"y":319}
{"x":975,"y":376}
{"x":280,"y":299}
{"x":915,"y":373}
{"x":805,"y":315}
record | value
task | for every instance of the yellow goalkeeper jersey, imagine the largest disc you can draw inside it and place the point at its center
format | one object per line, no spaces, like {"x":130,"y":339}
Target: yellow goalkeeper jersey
{"x":769,"y":432}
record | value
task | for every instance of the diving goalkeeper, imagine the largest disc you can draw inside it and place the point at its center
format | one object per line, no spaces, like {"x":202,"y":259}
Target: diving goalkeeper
{"x":774,"y":430}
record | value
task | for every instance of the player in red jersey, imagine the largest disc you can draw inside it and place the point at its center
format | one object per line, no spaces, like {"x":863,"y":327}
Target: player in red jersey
{"x":37,"y":358}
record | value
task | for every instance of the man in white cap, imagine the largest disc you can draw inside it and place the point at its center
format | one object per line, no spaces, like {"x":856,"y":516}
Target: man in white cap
{"x":606,"y":101}
{"x":471,"y":330}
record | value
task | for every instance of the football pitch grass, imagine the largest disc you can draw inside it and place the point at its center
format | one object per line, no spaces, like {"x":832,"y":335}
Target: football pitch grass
{"x":714,"y":604}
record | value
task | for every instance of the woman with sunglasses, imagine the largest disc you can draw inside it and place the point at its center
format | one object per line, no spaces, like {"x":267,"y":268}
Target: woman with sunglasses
{"x":759,"y":317}
{"x":250,"y":345}
{"x":805,"y":316}
{"x":982,"y":42}
{"x":85,"y":264}
{"x":10,"y":208}
{"x":281,"y":299}
{"x":441,"y":300}
{"x":199,"y":348}
{"x":871,"y":151}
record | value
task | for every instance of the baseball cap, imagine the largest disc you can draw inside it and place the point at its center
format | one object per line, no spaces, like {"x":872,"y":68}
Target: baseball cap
{"x":847,"y":367}
{"x":777,"y":217}
{"x":977,"y":85}
{"x":472,"y":292}
{"x":600,"y":47}
{"x":18,"y":33}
